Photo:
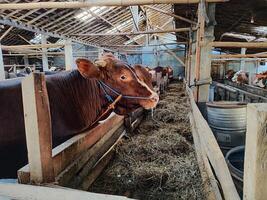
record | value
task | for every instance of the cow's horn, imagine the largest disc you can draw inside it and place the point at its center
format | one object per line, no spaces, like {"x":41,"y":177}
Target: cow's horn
{"x":101,"y":63}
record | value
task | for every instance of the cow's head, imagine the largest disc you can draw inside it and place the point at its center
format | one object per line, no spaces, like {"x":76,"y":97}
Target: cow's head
{"x":124,"y":79}
{"x":230,"y":74}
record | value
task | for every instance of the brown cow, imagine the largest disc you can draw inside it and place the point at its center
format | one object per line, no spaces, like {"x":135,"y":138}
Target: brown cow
{"x":261,"y":80}
{"x":230,"y":74}
{"x":240,"y":77}
{"x":170,"y":72}
{"x":75,"y":103}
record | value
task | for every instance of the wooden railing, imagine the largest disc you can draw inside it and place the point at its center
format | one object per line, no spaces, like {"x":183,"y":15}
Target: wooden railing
{"x":66,"y":163}
{"x":210,"y":157}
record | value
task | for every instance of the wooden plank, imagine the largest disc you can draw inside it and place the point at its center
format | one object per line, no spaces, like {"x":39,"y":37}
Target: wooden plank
{"x":99,"y":166}
{"x":67,"y":152}
{"x":255,"y":45}
{"x":240,"y":56}
{"x":67,"y":174}
{"x":76,"y":4}
{"x":90,"y":179}
{"x":255,"y":176}
{"x":20,"y":191}
{"x":215,"y":156}
{"x":38,"y":128}
{"x":97,"y":152}
{"x":210,"y":184}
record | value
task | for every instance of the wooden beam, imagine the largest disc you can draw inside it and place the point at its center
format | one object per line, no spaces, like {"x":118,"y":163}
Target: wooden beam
{"x":172,"y":15}
{"x":255,"y":45}
{"x":135,"y":33}
{"x":6,"y":32}
{"x":33,"y":46}
{"x":76,"y":4}
{"x":38,"y":128}
{"x":138,"y":45}
{"x":255,"y":176}
{"x":240,"y":56}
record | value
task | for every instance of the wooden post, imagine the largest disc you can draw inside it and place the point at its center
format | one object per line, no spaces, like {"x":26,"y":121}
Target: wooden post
{"x":69,"y":62}
{"x":44,"y":54}
{"x":192,"y":54}
{"x":100,"y":52}
{"x":2,"y":69}
{"x":38,"y":128}
{"x":255,"y":176}
{"x":203,"y":51}
{"x":243,"y":62}
{"x":26,"y":60}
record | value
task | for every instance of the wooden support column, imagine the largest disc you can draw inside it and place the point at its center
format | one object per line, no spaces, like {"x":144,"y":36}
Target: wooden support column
{"x":2,"y":69}
{"x":205,"y":35}
{"x":69,"y":61}
{"x":26,"y":60}
{"x":188,"y":58}
{"x":100,"y":52}
{"x":44,"y":54}
{"x":243,"y":62}
{"x":191,"y":72}
{"x":38,"y":128}
{"x":135,"y":16}
{"x":255,"y":176}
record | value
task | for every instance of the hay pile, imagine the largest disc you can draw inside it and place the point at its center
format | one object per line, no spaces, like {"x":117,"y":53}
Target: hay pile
{"x":158,"y":161}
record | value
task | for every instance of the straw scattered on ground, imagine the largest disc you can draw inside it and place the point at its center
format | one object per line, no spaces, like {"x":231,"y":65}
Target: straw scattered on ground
{"x":158,"y":160}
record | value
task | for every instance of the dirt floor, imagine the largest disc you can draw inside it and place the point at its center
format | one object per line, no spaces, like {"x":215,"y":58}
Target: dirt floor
{"x":158,"y":160}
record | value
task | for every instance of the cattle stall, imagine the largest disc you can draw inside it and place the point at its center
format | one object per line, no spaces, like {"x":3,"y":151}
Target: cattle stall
{"x":78,"y":162}
{"x":141,"y":99}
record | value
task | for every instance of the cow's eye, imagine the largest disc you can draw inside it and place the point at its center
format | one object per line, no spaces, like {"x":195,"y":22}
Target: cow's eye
{"x":123,"y":77}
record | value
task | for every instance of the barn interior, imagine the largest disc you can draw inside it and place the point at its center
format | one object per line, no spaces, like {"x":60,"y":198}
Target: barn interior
{"x":207,"y":69}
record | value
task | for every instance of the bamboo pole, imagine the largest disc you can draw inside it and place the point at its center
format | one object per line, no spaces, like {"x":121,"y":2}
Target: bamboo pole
{"x":172,"y":15}
{"x":77,"y":4}
{"x":240,"y":44}
{"x":135,"y":33}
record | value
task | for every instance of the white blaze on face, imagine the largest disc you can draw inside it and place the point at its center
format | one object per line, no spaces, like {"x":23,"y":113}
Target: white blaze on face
{"x":153,"y":74}
{"x":154,"y":96}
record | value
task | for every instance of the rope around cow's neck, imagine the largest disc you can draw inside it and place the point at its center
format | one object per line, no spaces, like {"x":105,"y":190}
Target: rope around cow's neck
{"x":104,"y":85}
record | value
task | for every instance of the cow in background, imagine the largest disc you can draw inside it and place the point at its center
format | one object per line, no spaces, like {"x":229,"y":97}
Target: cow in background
{"x":261,"y":80}
{"x":170,"y":72}
{"x":240,"y":77}
{"x":229,"y":74}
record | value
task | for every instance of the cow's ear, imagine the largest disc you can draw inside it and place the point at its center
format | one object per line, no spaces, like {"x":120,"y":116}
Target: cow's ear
{"x":87,"y":69}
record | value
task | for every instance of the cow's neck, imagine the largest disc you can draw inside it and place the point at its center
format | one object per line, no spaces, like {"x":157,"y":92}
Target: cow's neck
{"x":75,"y":102}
